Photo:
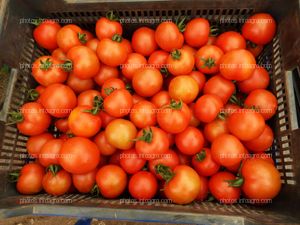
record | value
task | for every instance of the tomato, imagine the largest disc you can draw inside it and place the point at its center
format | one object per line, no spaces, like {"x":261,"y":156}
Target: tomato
{"x":207,"y":107}
{"x":264,"y":156}
{"x":219,"y":86}
{"x":196,"y":32}
{"x":259,"y":28}
{"x":45,"y":34}
{"x":171,"y":138}
{"x":133,"y":63}
{"x":246,"y":124}
{"x":58,"y":100}
{"x":30,"y":179}
{"x":110,"y":85}
{"x":31,"y":119}
{"x":79,"y":85}
{"x":127,"y":45}
{"x":230,"y":40}
{"x":69,"y":36}
{"x":183,"y":183}
{"x":255,"y":49}
{"x":59,"y":54}
{"x":189,"y":49}
{"x":184,"y":159}
{"x":85,"y":63}
{"x":190,"y":141}
{"x":111,"y":180}
{"x":143,"y":114}
{"x":161,"y":98}
{"x":131,"y":161}
{"x":143,"y":185}
{"x":237,"y":65}
{"x":62,"y":125}
{"x":199,"y":78}
{"x":57,"y":184}
{"x":207,"y":59}
{"x":230,"y":108}
{"x":220,"y":188}
{"x":34,"y":144}
{"x":184,"y":88}
{"x":84,"y":122}
{"x":93,"y":44}
{"x":107,"y":27}
{"x":227,"y":150}
{"x":103,"y":145}
{"x":158,"y":59}
{"x":259,"y":79}
{"x":170,"y":159}
{"x":84,"y":183}
{"x":118,"y":103}
{"x":49,"y":153}
{"x":204,"y":164}
{"x":175,"y":117}
{"x":168,"y":36}
{"x":143,"y":41}
{"x":46,"y":71}
{"x":194,"y":122}
{"x":261,"y":180}
{"x":147,"y":82}
{"x":112,"y":52}
{"x":151,"y":142}
{"x":211,"y":40}
{"x":262,"y":143}
{"x":105,"y":72}
{"x":88,"y":35}
{"x":180,"y":62}
{"x":114,"y":159}
{"x":80,"y":155}
{"x":214,"y":129}
{"x":106,"y":118}
{"x":87,"y":98}
{"x":203,"y":189}
{"x":120,"y":133}
{"x":264,"y":101}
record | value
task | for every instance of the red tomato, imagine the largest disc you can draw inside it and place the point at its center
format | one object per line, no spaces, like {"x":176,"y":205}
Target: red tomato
{"x":259,"y":28}
{"x":92,"y":44}
{"x":80,"y":155}
{"x":203,"y":189}
{"x":88,"y":35}
{"x":45,"y":34}
{"x":57,"y":184}
{"x":208,"y":107}
{"x":34,"y":144}
{"x":62,"y":125}
{"x":180,"y":62}
{"x":190,"y":141}
{"x":211,"y":40}
{"x":103,"y":145}
{"x":184,"y":88}
{"x":221,"y":189}
{"x":230,"y":108}
{"x":151,"y":142}
{"x":184,"y":159}
{"x":264,"y":156}
{"x":158,"y":59}
{"x":58,"y":100}
{"x":237,"y":65}
{"x":143,"y":114}
{"x":196,"y":32}
{"x":131,"y":161}
{"x":147,"y":82}
{"x":106,"y":118}
{"x":262,"y":143}
{"x":175,"y":117}
{"x":204,"y":164}
{"x":230,"y":40}
{"x":110,"y":85}
{"x":143,"y":185}
{"x":59,"y":54}
{"x":259,"y":79}
{"x":168,"y":36}
{"x":246,"y":124}
{"x":30,"y":179}
{"x":105,"y":72}
{"x":84,"y":122}
{"x":143,"y":41}
{"x":214,"y":129}
{"x":46,"y":71}
{"x":189,"y":49}
{"x":79,"y":85}
{"x":120,"y":133}
{"x":112,"y":52}
{"x":199,"y":78}
{"x":127,"y":45}
{"x":161,"y":98}
{"x":219,"y":86}
{"x":264,"y":101}
{"x":207,"y":59}
{"x":133,"y":63}
{"x":118,"y":103}
{"x":227,"y":150}
{"x":87,"y":98}
{"x":69,"y":36}
{"x":84,"y":183}
{"x":49,"y":153}
{"x":115,"y":158}
{"x":194,"y":122}
{"x":108,"y":27}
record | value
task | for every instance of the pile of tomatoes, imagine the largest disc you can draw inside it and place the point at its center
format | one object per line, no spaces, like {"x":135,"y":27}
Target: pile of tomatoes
{"x":174,"y":113}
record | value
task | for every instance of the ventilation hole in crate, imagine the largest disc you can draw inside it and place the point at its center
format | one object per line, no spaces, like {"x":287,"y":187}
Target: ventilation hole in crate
{"x":160,"y":13}
{"x":204,"y":12}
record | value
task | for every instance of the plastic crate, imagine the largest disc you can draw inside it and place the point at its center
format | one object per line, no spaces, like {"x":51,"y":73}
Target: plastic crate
{"x":19,"y":50}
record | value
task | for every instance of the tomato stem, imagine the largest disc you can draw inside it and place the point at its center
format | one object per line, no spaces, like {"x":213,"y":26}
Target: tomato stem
{"x":13,"y":176}
{"x":67,"y":66}
{"x":201,"y":155}
{"x":32,"y":95}
{"x":82,"y":37}
{"x":238,"y":182}
{"x":235,"y":100}
{"x":98,"y":105}
{"x":111,"y":15}
{"x":180,"y":23}
{"x":109,"y":90}
{"x":165,"y":172}
{"x":222,"y":116}
{"x":209,"y":62}
{"x":175,"y":105}
{"x":214,"y":31}
{"x":176,"y":54}
{"x":15,"y":117}
{"x":95,"y":191}
{"x":251,"y":44}
{"x":54,"y":169}
{"x":146,"y":137}
{"x":37,"y":21}
{"x":165,"y":71}
{"x":129,"y":88}
{"x":117,"y":38}
{"x":45,"y":65}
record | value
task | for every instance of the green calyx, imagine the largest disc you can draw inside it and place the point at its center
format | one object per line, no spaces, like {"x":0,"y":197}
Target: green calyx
{"x":32,"y":95}
{"x":67,"y":66}
{"x":45,"y":65}
{"x":98,"y":105}
{"x":176,"y":54}
{"x":180,"y":22}
{"x":214,"y":31}
{"x":15,"y":117}
{"x":54,"y":169}
{"x":111,"y":15}
{"x":201,"y":156}
{"x":175,"y":105}
{"x":117,"y":38}
{"x":13,"y":176}
{"x":82,"y":37}
{"x":165,"y":172}
{"x":95,"y":191}
{"x":165,"y":72}
{"x":109,"y":90}
{"x":146,"y":137}
{"x":238,"y":182}
{"x":209,"y":62}
{"x":37,"y":21}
